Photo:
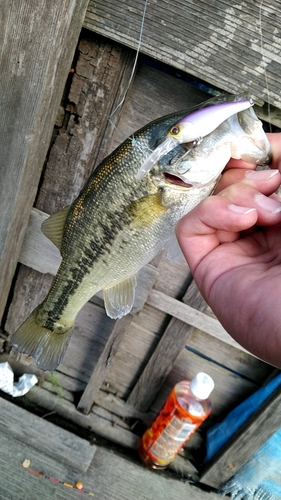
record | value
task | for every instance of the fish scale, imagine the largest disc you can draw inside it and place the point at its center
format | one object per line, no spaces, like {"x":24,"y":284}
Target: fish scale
{"x":119,"y":223}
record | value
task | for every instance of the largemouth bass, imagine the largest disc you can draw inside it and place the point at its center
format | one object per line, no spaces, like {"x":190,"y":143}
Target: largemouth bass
{"x":119,"y":223}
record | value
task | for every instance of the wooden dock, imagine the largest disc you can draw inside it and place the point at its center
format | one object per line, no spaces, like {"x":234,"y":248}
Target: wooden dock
{"x":63,"y":74}
{"x":36,"y":468}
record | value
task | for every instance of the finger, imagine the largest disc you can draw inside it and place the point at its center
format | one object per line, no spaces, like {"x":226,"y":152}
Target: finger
{"x":221,"y":218}
{"x":241,"y":164}
{"x":266,"y":181}
{"x":275,"y":143}
{"x":206,"y":226}
{"x":242,"y":194}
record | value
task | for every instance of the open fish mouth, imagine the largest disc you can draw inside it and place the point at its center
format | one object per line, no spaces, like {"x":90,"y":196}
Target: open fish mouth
{"x":176,"y":181}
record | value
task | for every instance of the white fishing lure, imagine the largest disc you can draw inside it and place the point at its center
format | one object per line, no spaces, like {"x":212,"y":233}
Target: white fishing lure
{"x":192,"y":128}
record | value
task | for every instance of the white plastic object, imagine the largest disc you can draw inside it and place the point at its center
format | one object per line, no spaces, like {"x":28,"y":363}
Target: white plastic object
{"x":202,"y":385}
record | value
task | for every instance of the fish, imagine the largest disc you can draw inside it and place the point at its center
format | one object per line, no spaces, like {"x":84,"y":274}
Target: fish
{"x":119,"y":223}
{"x":193,"y":127}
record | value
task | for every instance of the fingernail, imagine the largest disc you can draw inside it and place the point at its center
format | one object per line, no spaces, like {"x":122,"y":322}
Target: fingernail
{"x":241,"y":210}
{"x":268,"y":204}
{"x":261,"y":175}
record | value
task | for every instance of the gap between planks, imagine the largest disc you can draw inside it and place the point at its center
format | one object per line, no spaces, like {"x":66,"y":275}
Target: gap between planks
{"x":100,"y":426}
{"x":60,"y":444}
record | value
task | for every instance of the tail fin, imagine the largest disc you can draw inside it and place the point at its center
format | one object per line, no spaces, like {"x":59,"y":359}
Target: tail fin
{"x":47,"y":347}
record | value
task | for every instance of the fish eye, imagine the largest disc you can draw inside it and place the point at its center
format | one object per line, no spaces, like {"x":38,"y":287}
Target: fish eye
{"x":175,"y":130}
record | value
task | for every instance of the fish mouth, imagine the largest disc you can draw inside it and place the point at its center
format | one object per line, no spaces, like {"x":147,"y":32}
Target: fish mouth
{"x":176,"y":181}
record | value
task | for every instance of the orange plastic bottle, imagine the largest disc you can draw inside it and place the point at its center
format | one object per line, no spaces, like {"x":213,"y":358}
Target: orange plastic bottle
{"x":187,"y":406}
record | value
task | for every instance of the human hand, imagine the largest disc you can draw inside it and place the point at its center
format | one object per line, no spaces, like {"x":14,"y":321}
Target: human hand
{"x":232,"y":242}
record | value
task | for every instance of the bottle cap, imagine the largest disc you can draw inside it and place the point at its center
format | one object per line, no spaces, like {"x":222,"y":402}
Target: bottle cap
{"x":202,"y":385}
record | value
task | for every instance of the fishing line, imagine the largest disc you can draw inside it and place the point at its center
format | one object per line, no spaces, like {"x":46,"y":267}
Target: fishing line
{"x":130,"y":80}
{"x":264,"y":63}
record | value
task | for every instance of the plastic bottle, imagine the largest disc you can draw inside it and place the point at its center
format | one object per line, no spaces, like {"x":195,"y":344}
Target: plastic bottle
{"x":186,"y":408}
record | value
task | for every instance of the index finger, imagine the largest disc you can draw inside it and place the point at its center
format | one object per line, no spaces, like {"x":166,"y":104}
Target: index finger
{"x":275,"y":143}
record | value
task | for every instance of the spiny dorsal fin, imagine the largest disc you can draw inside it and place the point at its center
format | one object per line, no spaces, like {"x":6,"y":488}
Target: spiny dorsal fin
{"x":119,"y":299}
{"x":54,"y":226}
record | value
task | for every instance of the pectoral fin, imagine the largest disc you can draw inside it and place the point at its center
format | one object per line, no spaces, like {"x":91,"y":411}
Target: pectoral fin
{"x":119,"y":299}
{"x":173,"y":249}
{"x":54,"y":226}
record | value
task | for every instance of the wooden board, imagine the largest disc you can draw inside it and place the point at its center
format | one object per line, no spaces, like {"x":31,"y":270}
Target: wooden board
{"x":230,"y":388}
{"x":123,"y":373}
{"x":103,"y":69}
{"x":90,"y":337}
{"x":102,"y":426}
{"x":98,"y":375}
{"x":235,"y":47}
{"x":37,"y":40}
{"x":44,"y":436}
{"x":240,"y":448}
{"x":111,"y":476}
{"x":164,"y":356}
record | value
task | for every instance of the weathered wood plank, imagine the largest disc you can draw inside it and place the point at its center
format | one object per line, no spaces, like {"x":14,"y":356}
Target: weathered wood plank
{"x":103,"y":69}
{"x":163,"y":94}
{"x":205,"y":39}
{"x":230,"y":388}
{"x":45,"y":436}
{"x":229,"y":357}
{"x":165,"y":355}
{"x":137,"y":346}
{"x":252,"y":435}
{"x":191,"y":316}
{"x":100,"y":426}
{"x":117,"y":406}
{"x":66,"y":409}
{"x":110,"y":476}
{"x":38,"y":252}
{"x":37,"y":40}
{"x":98,"y":375}
{"x":173,"y":277}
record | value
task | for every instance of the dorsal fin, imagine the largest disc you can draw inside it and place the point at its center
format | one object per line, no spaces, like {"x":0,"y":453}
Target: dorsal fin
{"x":54,"y":226}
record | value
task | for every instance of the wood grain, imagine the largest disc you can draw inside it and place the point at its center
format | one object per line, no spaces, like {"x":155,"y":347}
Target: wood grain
{"x":216,"y":42}
{"x":165,"y":355}
{"x":101,"y":68}
{"x":99,"y":425}
{"x":240,"y":448}
{"x":37,"y":40}
{"x":191,"y":316}
{"x":98,"y":375}
{"x":112,"y":475}
{"x":45,"y":436}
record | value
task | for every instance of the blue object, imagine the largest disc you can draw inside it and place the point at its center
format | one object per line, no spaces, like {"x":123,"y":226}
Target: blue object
{"x":260,"y":477}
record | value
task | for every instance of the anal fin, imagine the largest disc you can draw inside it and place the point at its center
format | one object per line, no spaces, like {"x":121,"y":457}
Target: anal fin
{"x":119,"y":299}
